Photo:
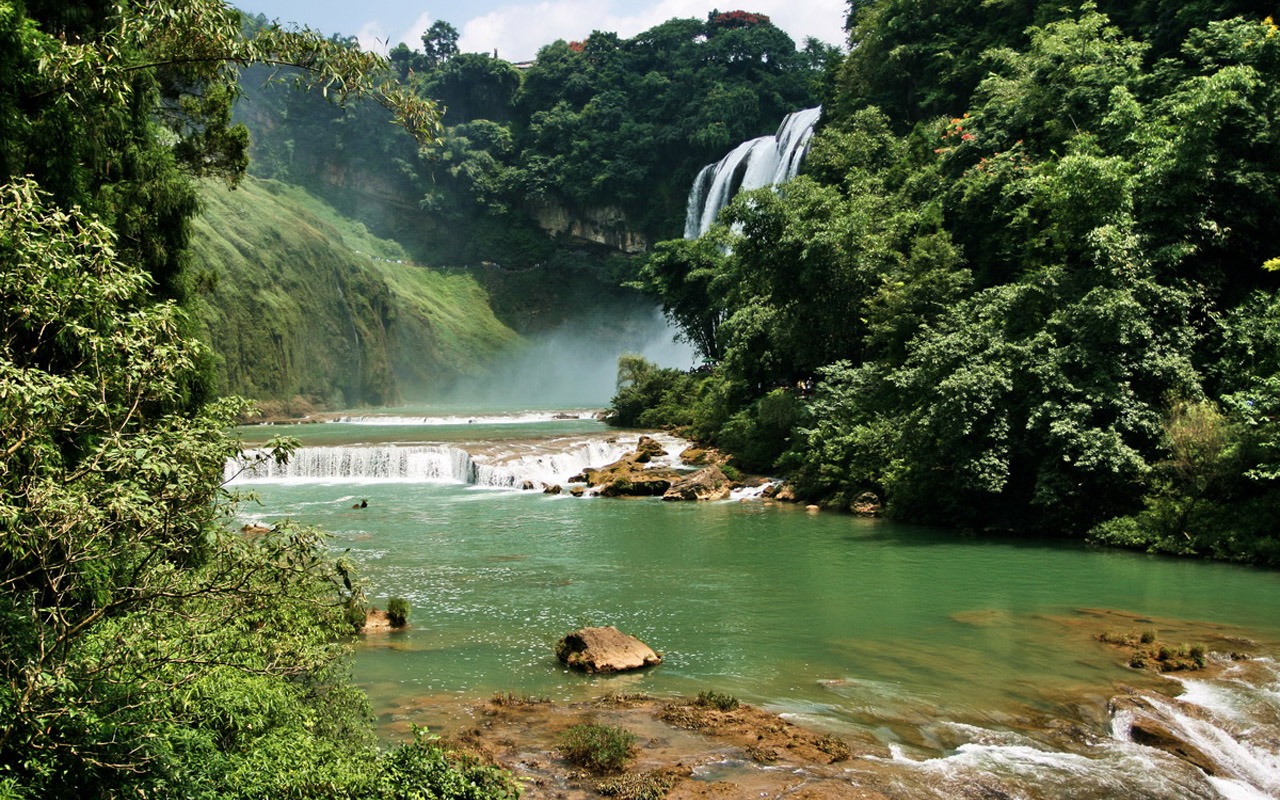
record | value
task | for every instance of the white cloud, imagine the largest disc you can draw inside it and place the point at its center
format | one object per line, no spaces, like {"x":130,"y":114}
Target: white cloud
{"x":413,"y":34}
{"x":373,"y":36}
{"x":518,"y":30}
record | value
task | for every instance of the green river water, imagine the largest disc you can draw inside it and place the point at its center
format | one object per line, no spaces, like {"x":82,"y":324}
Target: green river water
{"x":841,"y":622}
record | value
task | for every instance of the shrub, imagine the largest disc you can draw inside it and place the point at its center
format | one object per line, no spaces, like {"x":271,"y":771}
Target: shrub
{"x":398,"y":612}
{"x":717,"y":700}
{"x":423,"y":768}
{"x":1148,"y":636}
{"x":597,"y":748}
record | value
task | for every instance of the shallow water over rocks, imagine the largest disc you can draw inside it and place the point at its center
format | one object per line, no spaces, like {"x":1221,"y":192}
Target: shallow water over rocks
{"x":971,"y":666}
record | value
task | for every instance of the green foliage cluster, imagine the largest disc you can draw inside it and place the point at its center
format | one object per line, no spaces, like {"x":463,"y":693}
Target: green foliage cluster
{"x":298,"y":300}
{"x":1045,"y":310}
{"x":604,"y":123}
{"x":398,"y":612}
{"x":601,"y":749}
{"x":717,"y":700}
{"x":146,"y":650}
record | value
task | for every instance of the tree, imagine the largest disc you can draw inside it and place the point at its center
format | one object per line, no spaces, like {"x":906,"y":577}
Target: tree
{"x":439,"y":44}
{"x":145,"y":648}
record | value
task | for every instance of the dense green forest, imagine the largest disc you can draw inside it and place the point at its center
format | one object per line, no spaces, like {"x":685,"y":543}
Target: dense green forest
{"x":608,"y":130}
{"x":146,"y":650}
{"x":1028,"y":282}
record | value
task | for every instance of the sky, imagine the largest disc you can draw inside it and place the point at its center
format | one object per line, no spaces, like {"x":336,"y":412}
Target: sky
{"x":517,"y":28}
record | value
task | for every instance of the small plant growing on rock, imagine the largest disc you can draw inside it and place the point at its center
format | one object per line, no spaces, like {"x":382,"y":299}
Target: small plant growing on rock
{"x":398,"y":612}
{"x":835,"y":747}
{"x":1148,"y":636}
{"x":717,"y":700}
{"x":1197,"y":655}
{"x":601,"y":749}
{"x":512,"y":700}
{"x":643,"y":786}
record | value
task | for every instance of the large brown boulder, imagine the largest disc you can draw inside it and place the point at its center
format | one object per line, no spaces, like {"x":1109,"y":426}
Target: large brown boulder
{"x":648,"y":449}
{"x":628,"y":477}
{"x":605,"y":649}
{"x":709,"y":483}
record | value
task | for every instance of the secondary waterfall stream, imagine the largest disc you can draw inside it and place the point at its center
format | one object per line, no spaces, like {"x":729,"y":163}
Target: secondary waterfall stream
{"x":974,"y":661}
{"x":754,"y":164}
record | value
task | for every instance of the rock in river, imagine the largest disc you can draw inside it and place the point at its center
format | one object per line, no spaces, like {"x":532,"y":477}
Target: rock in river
{"x":629,"y":477}
{"x":605,"y":649}
{"x":709,"y":483}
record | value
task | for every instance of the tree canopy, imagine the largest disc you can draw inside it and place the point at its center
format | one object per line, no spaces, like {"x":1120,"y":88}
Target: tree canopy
{"x":1014,"y":288}
{"x":146,"y":648}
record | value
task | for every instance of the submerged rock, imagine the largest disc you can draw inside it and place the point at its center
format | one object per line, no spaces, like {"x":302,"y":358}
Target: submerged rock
{"x":709,"y":483}
{"x":605,"y":649}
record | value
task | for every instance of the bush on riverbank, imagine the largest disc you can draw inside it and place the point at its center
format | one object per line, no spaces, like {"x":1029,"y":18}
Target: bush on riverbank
{"x":598,"y":748}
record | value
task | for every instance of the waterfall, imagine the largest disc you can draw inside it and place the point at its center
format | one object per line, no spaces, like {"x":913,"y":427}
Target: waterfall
{"x":766,"y":161}
{"x":551,"y":462}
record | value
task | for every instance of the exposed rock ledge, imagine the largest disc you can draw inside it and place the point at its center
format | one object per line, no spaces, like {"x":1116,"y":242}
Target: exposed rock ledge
{"x":630,"y":476}
{"x":708,"y":483}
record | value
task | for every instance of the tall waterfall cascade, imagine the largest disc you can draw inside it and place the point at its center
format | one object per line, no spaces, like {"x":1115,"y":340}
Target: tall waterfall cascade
{"x":755,"y":164}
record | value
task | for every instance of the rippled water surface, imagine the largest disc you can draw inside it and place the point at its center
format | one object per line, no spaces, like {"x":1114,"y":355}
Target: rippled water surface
{"x":929,"y":639}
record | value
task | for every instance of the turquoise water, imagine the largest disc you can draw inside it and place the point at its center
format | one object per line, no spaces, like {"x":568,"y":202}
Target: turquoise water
{"x":845,"y":622}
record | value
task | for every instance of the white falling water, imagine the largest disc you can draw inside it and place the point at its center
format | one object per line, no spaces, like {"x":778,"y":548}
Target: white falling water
{"x":1236,"y":726}
{"x":766,"y":161}
{"x":547,"y":462}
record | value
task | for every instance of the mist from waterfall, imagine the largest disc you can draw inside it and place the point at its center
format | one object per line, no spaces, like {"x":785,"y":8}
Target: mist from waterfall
{"x":576,"y":364}
{"x":754,"y":164}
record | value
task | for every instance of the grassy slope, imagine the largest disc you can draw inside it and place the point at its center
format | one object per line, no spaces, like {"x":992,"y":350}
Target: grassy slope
{"x":305,"y":302}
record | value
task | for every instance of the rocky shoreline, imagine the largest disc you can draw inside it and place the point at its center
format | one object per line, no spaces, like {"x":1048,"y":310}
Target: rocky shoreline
{"x":1133,"y":737}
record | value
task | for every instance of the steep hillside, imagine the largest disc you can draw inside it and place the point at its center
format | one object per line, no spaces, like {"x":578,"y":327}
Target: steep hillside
{"x":299,"y":301}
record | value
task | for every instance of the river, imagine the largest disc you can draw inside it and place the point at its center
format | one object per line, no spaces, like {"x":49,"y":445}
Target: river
{"x":964,"y":656}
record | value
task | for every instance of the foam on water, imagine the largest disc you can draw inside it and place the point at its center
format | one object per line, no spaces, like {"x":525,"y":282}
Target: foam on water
{"x":551,"y":461}
{"x":519,"y":418}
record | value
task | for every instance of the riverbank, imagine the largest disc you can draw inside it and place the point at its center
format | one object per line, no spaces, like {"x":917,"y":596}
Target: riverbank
{"x":690,"y":749}
{"x":1167,"y":729}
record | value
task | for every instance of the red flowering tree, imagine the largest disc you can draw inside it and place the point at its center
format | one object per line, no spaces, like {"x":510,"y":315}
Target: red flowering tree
{"x":736,"y":19}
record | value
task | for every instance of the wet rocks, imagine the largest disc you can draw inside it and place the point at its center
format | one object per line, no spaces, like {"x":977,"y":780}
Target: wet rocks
{"x":648,"y":449}
{"x":708,"y":483}
{"x":1160,"y":722}
{"x":605,"y":649}
{"x":630,"y":476}
{"x":866,"y":504}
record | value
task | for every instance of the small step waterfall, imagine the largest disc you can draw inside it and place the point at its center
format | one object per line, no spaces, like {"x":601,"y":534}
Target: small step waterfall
{"x":766,"y":161}
{"x":550,"y":462}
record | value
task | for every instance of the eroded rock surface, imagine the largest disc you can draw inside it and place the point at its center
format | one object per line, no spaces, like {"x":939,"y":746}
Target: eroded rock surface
{"x":605,"y":649}
{"x":709,"y":483}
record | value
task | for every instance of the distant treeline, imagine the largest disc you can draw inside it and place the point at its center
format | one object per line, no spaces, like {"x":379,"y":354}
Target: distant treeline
{"x":602,"y":123}
{"x":1028,"y":282}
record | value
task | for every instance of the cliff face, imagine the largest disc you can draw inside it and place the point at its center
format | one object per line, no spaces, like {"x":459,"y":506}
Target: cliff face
{"x":606,"y":226}
{"x":299,"y":301}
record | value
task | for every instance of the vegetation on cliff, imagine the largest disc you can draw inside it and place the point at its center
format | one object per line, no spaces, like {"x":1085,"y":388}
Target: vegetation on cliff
{"x":608,"y":122}
{"x":299,"y":301}
{"x":145,"y":650}
{"x":1027,"y":282}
